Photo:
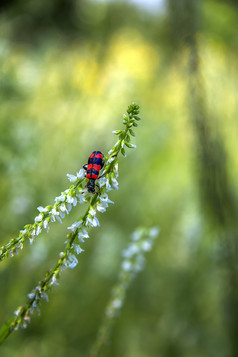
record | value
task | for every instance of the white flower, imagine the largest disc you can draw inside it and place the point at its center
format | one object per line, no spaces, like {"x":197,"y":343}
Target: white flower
{"x":81,"y":197}
{"x":20,"y":245}
{"x":68,"y":207}
{"x":126,"y":265}
{"x":46,"y":225}
{"x":31,"y":239}
{"x":77,"y":249}
{"x":115,"y":170}
{"x":130,"y":251}
{"x":31,"y":296}
{"x":81,"y":174}
{"x":23,"y":232}
{"x":92,"y":221}
{"x":154,"y":231}
{"x":104,"y":198}
{"x":60,"y":198}
{"x":82,"y":234}
{"x":92,"y":211}
{"x":114,"y":183}
{"x":63,"y":208}
{"x":38,"y":230}
{"x":17,"y":312}
{"x":38,"y":218}
{"x":75,"y":225}
{"x":136,"y":235}
{"x":72,"y":178}
{"x":146,"y":245}
{"x":54,"y":280}
{"x":117,"y":303}
{"x":62,"y":214}
{"x":59,"y":219}
{"x":71,"y":261}
{"x":55,"y":215}
{"x":42,"y":209}
{"x":101,"y":206}
{"x":44,"y":296}
{"x":71,"y":200}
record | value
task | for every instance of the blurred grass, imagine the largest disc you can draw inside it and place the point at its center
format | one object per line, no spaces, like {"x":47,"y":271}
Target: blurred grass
{"x":58,"y":104}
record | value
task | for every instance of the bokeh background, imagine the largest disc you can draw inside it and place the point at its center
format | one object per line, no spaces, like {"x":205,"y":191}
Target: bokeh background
{"x":68,"y":71}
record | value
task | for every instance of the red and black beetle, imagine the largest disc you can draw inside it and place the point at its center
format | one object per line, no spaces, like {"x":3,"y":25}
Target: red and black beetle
{"x":94,"y":165}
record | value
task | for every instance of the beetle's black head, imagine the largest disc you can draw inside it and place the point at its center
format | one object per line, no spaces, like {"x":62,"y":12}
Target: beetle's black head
{"x":91,"y":185}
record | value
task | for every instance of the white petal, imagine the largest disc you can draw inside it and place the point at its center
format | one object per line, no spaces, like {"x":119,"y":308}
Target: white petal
{"x":81,"y":174}
{"x":72,"y":178}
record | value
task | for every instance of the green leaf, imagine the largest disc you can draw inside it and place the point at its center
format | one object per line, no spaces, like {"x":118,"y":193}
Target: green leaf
{"x":135,"y":124}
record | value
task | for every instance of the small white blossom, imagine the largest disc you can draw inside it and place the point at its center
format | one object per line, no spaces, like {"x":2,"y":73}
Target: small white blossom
{"x":60,"y":198}
{"x":38,"y":230}
{"x":130,"y":251}
{"x":63,"y":208}
{"x":58,"y":219}
{"x":42,"y":209}
{"x":71,"y":261}
{"x":18,"y":311}
{"x":38,"y":218}
{"x":115,"y":170}
{"x":44,"y":296}
{"x":105,"y":198}
{"x":54,"y":280}
{"x":75,"y":225}
{"x":77,"y":249}
{"x":20,"y":245}
{"x":102,"y":181}
{"x":71,"y":200}
{"x":126,"y":265}
{"x":115,"y":184}
{"x":81,"y":197}
{"x":23,"y":232}
{"x":136,"y":235}
{"x":31,"y":239}
{"x":92,"y":211}
{"x":31,"y":296}
{"x":82,"y":234}
{"x":154,"y":231}
{"x":81,"y":174}
{"x":146,"y":245}
{"x":101,"y":206}
{"x":92,"y":221}
{"x":46,"y":225}
{"x":117,"y":303}
{"x":54,"y":215}
{"x":72,"y":178}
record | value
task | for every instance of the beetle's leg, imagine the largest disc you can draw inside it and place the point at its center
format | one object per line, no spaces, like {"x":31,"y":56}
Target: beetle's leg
{"x":85,"y":166}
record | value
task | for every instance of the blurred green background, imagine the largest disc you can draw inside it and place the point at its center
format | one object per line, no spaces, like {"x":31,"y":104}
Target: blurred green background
{"x":68,"y":71}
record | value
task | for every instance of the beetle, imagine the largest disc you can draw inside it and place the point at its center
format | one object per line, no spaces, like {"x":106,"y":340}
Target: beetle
{"x":93,"y":167}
